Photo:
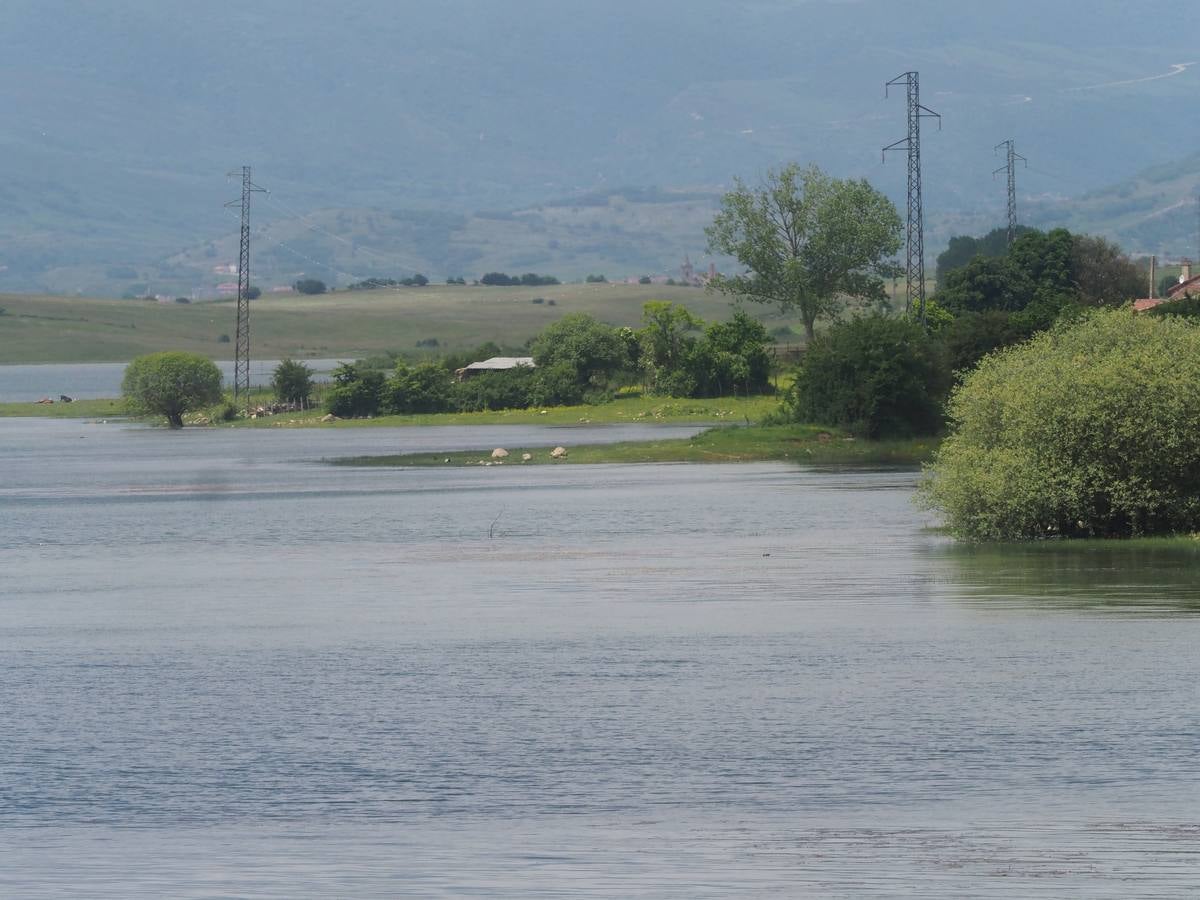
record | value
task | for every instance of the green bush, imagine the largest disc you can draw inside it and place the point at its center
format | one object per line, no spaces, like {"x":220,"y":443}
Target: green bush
{"x":556,"y":385}
{"x":972,"y":336}
{"x":356,"y":392}
{"x":732,"y":358}
{"x":170,"y":384}
{"x":225,"y":411}
{"x":504,"y":389}
{"x":595,"y":352}
{"x":292,"y":382}
{"x":882,"y":377}
{"x":309,"y":286}
{"x":421,"y":389}
{"x":1187,"y":308}
{"x":728,"y":358}
{"x":1090,"y":429}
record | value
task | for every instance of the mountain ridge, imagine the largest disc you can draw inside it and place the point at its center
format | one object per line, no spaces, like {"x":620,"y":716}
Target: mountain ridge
{"x":122,"y":118}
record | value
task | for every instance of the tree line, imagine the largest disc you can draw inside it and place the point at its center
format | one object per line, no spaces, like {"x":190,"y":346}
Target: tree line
{"x":577,"y":359}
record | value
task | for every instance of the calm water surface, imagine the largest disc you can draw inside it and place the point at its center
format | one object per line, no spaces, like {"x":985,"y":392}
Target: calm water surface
{"x":91,"y":381}
{"x":229,"y":670}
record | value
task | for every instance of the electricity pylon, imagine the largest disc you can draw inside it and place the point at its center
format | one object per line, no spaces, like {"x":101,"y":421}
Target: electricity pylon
{"x":241,"y":365}
{"x":916,"y":225}
{"x":1010,"y":166}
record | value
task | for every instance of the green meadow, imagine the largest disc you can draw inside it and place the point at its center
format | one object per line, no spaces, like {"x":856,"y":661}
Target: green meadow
{"x":49,"y":329}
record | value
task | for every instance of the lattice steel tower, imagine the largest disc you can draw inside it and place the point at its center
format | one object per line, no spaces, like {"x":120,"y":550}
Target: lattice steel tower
{"x":241,"y":365}
{"x":916,"y":225}
{"x":1010,"y":166}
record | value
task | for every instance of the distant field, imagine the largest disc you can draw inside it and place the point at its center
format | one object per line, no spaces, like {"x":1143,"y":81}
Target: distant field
{"x":68,"y":329}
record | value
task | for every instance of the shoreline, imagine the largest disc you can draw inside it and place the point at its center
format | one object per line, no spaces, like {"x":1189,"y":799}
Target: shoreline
{"x":805,"y":444}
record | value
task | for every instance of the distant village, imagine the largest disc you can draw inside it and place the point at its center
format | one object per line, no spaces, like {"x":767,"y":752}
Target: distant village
{"x":1187,"y":286}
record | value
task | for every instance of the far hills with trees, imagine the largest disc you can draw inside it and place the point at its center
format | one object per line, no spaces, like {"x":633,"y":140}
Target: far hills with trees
{"x":120,"y":128}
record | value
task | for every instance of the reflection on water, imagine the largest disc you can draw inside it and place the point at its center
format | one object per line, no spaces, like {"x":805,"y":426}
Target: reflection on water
{"x":229,"y":670}
{"x":1134,"y":576}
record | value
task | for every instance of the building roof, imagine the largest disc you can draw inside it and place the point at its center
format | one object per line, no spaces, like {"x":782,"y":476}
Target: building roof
{"x":500,"y":362}
{"x":1147,"y":303}
{"x":1181,"y":290}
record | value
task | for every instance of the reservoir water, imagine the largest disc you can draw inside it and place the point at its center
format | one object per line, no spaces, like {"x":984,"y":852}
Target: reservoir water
{"x":91,"y":381}
{"x":228,"y":669}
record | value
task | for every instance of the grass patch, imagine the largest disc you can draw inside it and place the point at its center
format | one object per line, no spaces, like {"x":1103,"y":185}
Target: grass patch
{"x":79,"y":409}
{"x":626,"y":409}
{"x":807,"y":444}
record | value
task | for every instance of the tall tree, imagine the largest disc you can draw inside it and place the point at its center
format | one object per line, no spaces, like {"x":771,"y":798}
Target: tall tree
{"x":805,"y":239}
{"x":1104,"y":273}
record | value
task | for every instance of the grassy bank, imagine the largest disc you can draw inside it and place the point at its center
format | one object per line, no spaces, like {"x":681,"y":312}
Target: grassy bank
{"x":79,"y":409}
{"x":791,"y":443}
{"x":623,"y":410}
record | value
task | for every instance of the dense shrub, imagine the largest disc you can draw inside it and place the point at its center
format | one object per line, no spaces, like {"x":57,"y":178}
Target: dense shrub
{"x":972,"y":336}
{"x":292,"y":382}
{"x":595,"y":352}
{"x":505,"y":389}
{"x":356,"y":391}
{"x":665,"y":341}
{"x":421,"y":389}
{"x":1187,"y":308}
{"x":735,"y":358}
{"x":728,"y":358}
{"x":309,"y":286}
{"x":558,"y":385}
{"x":880,"y":376}
{"x":1090,"y":429}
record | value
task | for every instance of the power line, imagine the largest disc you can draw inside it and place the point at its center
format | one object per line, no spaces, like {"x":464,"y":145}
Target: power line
{"x":916,"y":226}
{"x":1010,"y":166}
{"x":241,"y":365}
{"x":262,"y":233}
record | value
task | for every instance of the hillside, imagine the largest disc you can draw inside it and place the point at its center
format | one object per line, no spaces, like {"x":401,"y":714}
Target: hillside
{"x":1155,"y":212}
{"x":122,"y":118}
{"x":621,"y":235}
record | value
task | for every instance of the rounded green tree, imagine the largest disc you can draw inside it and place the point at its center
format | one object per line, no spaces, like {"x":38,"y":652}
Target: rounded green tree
{"x":292,"y":382}
{"x":1090,"y":429}
{"x":170,"y":384}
